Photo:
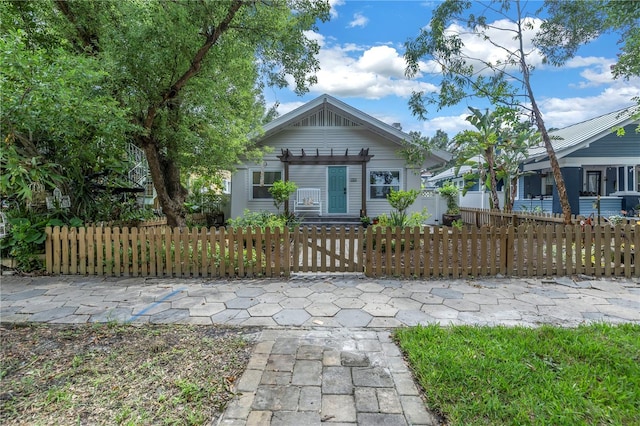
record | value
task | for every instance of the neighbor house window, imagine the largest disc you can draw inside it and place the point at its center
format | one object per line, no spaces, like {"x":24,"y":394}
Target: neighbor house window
{"x":262,"y":181}
{"x":381,"y":182}
{"x":547,"y":184}
{"x":594,"y":179}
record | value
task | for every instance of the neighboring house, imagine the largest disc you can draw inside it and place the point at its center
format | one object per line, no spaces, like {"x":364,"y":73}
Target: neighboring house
{"x":596,"y":164}
{"x":349,"y":156}
{"x":476,"y":195}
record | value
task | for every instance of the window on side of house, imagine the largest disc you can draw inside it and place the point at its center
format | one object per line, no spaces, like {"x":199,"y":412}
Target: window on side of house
{"x":547,"y":184}
{"x":226,"y":186}
{"x":262,"y":181}
{"x":381,"y":182}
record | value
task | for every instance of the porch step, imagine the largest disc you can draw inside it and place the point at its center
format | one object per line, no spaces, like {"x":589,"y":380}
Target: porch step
{"x":328,"y":221}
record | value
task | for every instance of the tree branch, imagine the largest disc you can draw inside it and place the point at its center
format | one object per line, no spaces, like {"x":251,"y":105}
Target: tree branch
{"x":212,"y":38}
{"x":87,"y":39}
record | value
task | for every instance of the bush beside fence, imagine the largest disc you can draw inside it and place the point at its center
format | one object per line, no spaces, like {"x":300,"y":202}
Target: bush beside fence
{"x":522,"y":251}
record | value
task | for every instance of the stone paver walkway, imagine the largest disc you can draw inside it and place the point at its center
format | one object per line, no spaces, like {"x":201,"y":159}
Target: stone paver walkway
{"x":325,"y":354}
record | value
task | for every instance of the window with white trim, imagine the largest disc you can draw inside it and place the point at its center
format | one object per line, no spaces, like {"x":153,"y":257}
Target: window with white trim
{"x":226,"y":186}
{"x":381,"y":182}
{"x":262,"y":181}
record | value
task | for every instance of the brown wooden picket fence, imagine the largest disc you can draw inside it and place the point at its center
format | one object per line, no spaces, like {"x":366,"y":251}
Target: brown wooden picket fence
{"x":523,"y":251}
{"x":497,"y":217}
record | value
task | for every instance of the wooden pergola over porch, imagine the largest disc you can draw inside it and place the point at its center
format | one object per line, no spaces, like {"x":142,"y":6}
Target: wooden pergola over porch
{"x":332,"y":159}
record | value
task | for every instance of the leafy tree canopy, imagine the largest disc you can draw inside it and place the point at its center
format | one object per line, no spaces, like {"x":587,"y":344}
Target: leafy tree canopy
{"x":186,"y":77}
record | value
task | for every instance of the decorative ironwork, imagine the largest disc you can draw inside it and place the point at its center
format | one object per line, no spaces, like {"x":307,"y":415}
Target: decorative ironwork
{"x":58,"y":201}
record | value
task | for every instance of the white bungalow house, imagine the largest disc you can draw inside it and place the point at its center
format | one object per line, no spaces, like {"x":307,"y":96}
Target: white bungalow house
{"x":597,"y":165}
{"x":345,"y":156}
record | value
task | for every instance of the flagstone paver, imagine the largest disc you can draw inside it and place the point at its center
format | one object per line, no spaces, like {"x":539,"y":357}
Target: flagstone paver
{"x":324,"y":354}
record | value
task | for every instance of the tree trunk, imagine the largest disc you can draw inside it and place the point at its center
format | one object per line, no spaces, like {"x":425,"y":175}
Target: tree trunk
{"x":553,"y":160}
{"x":164,"y":169}
{"x":495,"y":201}
{"x":511,"y":195}
{"x":166,"y":180}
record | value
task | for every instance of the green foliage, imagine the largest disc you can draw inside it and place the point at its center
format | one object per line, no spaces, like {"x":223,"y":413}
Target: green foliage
{"x":572,"y":24}
{"x":58,"y":114}
{"x":262,"y":220}
{"x":21,"y":174}
{"x":281,"y":191}
{"x":205,"y":194}
{"x":24,"y":242}
{"x":501,"y":140}
{"x":183,"y":80}
{"x":401,"y":201}
{"x":450,"y":193}
{"x":520,"y":375}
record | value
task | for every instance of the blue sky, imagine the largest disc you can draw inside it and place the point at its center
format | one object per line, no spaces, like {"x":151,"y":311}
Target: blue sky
{"x":362,"y":64}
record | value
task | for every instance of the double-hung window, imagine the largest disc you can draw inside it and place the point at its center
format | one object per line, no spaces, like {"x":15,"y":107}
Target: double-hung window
{"x":262,"y":181}
{"x":381,"y":182}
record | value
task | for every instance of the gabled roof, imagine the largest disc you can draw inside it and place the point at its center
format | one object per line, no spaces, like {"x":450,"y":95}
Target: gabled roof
{"x":581,"y":135}
{"x":355,"y":117}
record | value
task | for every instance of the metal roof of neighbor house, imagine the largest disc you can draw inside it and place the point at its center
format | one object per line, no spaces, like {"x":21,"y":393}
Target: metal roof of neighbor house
{"x":580,"y":135}
{"x":450,"y":173}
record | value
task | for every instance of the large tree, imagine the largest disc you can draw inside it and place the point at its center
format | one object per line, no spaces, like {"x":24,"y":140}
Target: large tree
{"x":505,"y":79}
{"x":59,"y":120}
{"x":189,"y":75}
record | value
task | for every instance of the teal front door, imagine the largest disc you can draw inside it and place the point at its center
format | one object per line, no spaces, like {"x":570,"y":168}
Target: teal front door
{"x":337,"y":179}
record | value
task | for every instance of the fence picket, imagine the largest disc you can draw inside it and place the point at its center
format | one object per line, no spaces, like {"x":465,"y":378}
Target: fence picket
{"x":90,"y":245}
{"x":636,"y":249}
{"x":437,"y":251}
{"x":606,"y":253}
{"x":617,"y":252}
{"x":286,"y":252}
{"x":455,"y":253}
{"x":626,"y":249}
{"x":278,"y":248}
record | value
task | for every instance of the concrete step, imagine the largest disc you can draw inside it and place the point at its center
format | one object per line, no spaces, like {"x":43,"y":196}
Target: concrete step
{"x":329,"y":221}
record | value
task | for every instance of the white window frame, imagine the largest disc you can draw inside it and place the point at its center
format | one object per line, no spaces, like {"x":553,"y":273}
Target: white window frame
{"x":226,"y":186}
{"x":369,"y":184}
{"x":252,"y":185}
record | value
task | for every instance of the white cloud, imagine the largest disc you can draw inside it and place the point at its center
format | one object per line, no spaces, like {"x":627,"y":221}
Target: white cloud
{"x":479,"y":51}
{"x":562,"y":112}
{"x":582,"y":61}
{"x":383,"y":60}
{"x":286,"y":107}
{"x":334,"y":3}
{"x":368,"y":72}
{"x":359,"y":20}
{"x":452,"y":125}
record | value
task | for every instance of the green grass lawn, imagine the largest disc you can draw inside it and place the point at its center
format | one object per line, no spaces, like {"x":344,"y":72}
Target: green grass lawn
{"x":588,"y":375}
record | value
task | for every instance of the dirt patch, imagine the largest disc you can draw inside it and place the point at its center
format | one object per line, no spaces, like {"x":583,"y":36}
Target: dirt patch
{"x":119,"y":374}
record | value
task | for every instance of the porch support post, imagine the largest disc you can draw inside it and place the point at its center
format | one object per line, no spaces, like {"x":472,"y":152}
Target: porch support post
{"x":286,"y":179}
{"x":363,"y":211}
{"x":573,"y":180}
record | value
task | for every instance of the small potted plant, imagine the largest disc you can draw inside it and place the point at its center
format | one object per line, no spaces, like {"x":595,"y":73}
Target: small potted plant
{"x":450,"y":193}
{"x":366,"y":221}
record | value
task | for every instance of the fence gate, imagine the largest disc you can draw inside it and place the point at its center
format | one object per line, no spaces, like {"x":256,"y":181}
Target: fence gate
{"x":327,"y":249}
